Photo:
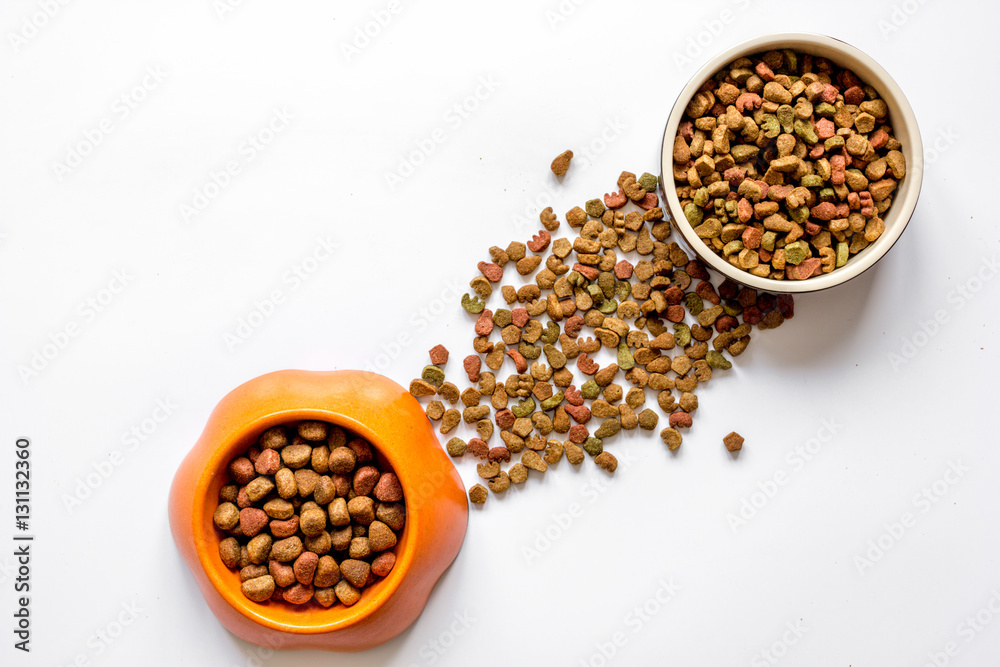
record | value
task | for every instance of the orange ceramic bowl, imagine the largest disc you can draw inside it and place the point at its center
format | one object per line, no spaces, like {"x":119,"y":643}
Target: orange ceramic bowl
{"x":385,"y":414}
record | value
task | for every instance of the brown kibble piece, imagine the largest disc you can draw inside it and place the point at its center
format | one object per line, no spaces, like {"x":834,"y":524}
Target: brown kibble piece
{"x":478,"y":494}
{"x":733,"y":441}
{"x":560,"y":165}
{"x":258,"y":589}
{"x":380,"y":536}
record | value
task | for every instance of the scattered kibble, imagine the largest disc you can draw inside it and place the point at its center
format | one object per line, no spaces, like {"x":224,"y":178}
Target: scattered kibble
{"x":570,"y":354}
{"x":733,"y":441}
{"x":560,"y":165}
{"x":308,"y":505}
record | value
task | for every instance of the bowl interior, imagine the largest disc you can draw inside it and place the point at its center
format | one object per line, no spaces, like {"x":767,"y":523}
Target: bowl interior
{"x":308,"y":618}
{"x":902,"y":121}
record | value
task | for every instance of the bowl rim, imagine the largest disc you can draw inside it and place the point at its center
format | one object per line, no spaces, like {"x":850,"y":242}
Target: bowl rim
{"x":902,"y":116}
{"x":235,"y":444}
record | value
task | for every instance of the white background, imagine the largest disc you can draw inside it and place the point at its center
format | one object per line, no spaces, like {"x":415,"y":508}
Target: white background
{"x":561,"y":80}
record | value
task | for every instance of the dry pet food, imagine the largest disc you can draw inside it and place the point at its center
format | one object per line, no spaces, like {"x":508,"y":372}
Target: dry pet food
{"x":785,"y":164}
{"x":310,"y":515}
{"x":579,"y":333}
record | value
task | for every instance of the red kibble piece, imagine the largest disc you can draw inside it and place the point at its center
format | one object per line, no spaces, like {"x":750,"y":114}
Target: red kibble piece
{"x":579,"y":413}
{"x":472,"y":365}
{"x":382,"y":565}
{"x":484,"y":325}
{"x":498,"y":454}
{"x":439,"y":355}
{"x":573,"y":326}
{"x":623,"y":271}
{"x":505,"y":418}
{"x":675,"y":313}
{"x":588,"y":272}
{"x":648,"y":202}
{"x":751,"y":238}
{"x":578,"y":433}
{"x":519,"y":317}
{"x":241,"y":470}
{"x":268,"y":462}
{"x":252,"y":520}
{"x":680,"y":420}
{"x":539,"y":241}
{"x":493,"y":272}
{"x":477,"y":447}
{"x":706,"y":291}
{"x":615,"y":200}
{"x":726,"y":323}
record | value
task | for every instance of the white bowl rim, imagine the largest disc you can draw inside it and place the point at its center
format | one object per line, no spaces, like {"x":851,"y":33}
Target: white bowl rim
{"x":903,"y":119}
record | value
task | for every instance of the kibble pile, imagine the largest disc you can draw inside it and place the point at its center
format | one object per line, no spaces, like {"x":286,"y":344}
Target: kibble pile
{"x":309,"y":515}
{"x":665,"y":323}
{"x":785,"y":163}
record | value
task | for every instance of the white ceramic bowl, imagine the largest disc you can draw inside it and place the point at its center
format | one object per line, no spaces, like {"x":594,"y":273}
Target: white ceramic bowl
{"x":902,"y":120}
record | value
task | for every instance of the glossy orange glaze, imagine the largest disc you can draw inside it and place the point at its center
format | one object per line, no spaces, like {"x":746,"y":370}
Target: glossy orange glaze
{"x":386,"y":415}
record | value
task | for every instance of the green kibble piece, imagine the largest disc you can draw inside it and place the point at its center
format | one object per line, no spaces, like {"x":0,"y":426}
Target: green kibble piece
{"x":709,"y":229}
{"x":594,"y":208}
{"x":529,"y":351}
{"x":593,"y":445}
{"x":608,"y":428}
{"x":606,"y":281}
{"x":609,"y":306}
{"x":700,"y":197}
{"x":796,"y":253}
{"x":786,"y":116}
{"x":590,"y":390}
{"x":525,"y":408}
{"x":553,"y":401}
{"x":767,"y":241}
{"x":432,"y":374}
{"x":648,"y":182}
{"x":800,"y":214}
{"x":625,"y":359}
{"x":730,"y":208}
{"x":732,"y":307}
{"x":770,"y":126}
{"x":740,"y":153}
{"x":804,"y":130}
{"x":791,"y":60}
{"x":682,"y":334}
{"x":456,"y":447}
{"x":732,"y":248}
{"x":827,"y":194}
{"x":695,"y":304}
{"x":812,"y":181}
{"x":596,"y":293}
{"x":693,"y":213}
{"x":843,"y":252}
{"x":825,"y":109}
{"x":716,"y":359}
{"x":473,"y":304}
{"x":576,"y":279}
{"x":551,"y":333}
{"x":834,"y":142}
{"x":623,"y":289}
